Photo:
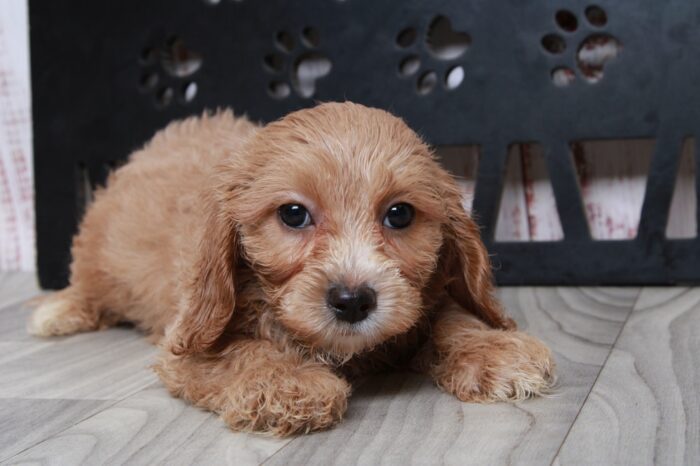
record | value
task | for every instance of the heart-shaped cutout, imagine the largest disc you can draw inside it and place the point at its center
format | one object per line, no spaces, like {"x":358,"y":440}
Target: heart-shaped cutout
{"x":444,"y":42}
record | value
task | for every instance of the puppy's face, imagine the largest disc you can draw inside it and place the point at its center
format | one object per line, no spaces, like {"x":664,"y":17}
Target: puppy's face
{"x":340,"y":220}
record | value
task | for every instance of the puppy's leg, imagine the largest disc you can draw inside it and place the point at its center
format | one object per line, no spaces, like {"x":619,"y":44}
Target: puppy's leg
{"x":255,"y":387}
{"x":477,"y":363}
{"x":63,"y":313}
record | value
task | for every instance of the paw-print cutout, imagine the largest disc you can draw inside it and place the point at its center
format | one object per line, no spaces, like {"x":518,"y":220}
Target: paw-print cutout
{"x":217,"y":2}
{"x":307,"y":66}
{"x":166,"y":72}
{"x":441,"y":44}
{"x":592,"y":53}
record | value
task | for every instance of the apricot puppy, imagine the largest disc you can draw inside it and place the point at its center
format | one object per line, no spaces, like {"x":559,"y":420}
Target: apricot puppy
{"x":275,"y":264}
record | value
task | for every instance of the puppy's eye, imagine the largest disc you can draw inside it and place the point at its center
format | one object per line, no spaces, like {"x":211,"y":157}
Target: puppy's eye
{"x":399,"y":216}
{"x":295,"y":215}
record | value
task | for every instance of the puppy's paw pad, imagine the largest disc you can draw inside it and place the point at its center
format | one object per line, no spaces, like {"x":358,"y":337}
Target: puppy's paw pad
{"x":58,"y":316}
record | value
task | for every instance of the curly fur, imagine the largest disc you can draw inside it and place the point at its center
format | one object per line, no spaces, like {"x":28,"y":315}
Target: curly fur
{"x":186,"y":242}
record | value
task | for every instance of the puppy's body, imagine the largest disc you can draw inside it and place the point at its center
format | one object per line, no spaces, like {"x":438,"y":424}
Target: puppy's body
{"x":139,"y":238}
{"x":187,"y":241}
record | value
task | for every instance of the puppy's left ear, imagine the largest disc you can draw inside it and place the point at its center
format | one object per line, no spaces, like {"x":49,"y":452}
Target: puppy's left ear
{"x":465,"y":262}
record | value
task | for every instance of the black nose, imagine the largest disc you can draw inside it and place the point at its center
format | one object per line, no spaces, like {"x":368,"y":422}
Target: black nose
{"x":351,"y":305}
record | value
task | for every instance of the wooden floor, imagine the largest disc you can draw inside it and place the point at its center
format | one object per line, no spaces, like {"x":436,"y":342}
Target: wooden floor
{"x":628,"y":393}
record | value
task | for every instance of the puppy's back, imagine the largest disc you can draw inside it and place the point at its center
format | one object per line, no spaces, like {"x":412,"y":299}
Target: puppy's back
{"x":140,"y":232}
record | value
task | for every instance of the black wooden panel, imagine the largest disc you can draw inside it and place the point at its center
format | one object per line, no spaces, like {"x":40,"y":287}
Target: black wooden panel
{"x":92,"y":108}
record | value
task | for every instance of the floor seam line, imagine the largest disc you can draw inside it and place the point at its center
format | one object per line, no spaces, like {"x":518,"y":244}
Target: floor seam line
{"x":597,"y":377}
{"x":113,"y":403}
{"x":278,"y":450}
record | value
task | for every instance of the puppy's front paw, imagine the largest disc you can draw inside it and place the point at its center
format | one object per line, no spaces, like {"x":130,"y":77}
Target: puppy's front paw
{"x":301,"y":401}
{"x":492,"y":366}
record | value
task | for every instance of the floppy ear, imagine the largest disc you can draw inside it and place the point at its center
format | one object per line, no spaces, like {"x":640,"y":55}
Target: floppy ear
{"x":467,"y":267}
{"x":209,"y":295}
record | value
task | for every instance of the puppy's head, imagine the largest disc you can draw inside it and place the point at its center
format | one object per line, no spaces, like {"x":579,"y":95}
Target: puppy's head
{"x":351,"y":227}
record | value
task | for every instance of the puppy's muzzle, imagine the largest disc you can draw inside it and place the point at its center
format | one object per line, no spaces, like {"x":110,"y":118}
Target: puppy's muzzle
{"x":351,"y":305}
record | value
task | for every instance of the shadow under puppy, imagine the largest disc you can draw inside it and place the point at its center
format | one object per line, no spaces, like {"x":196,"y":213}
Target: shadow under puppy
{"x":274,"y":264}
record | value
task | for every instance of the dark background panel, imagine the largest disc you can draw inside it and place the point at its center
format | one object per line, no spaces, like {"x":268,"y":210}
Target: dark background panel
{"x":91,"y":110}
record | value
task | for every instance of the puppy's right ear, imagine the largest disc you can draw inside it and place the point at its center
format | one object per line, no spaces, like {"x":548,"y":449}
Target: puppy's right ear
{"x":209,"y":294}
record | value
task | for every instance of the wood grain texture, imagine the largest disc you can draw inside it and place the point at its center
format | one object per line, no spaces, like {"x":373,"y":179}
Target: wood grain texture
{"x":403,"y":418}
{"x":91,"y":399}
{"x":60,"y":400}
{"x":17,"y":287}
{"x":13,"y":323}
{"x":645,"y":406}
{"x":25,"y":423}
{"x":101,"y":365}
{"x":151,"y":427}
{"x":107,"y":365}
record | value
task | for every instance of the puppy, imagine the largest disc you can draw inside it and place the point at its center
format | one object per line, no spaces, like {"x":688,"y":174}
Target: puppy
{"x":276,"y":264}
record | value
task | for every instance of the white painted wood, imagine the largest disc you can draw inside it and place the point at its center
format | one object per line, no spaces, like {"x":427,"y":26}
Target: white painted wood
{"x":542,"y":216}
{"x":612,"y":181}
{"x":682,"y":221}
{"x":512,"y":221}
{"x":463,"y":162}
{"x":16,"y":168}
{"x":612,"y":178}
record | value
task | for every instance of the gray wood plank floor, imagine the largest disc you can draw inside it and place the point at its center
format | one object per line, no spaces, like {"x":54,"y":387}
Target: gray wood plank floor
{"x":645,"y":406}
{"x":627,"y":394}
